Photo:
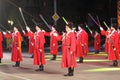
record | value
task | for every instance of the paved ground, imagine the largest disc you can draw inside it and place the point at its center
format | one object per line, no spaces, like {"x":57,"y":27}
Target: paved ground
{"x":95,"y":67}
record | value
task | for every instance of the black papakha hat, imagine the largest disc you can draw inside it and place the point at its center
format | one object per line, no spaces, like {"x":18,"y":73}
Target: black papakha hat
{"x":81,"y":25}
{"x":114,"y":25}
{"x":70,"y":25}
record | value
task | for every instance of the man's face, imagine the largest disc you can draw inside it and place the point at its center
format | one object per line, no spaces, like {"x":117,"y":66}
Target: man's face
{"x":79,"y":28}
{"x":112,"y":28}
{"x":67,"y":28}
{"x":53,"y":29}
{"x":15,"y":29}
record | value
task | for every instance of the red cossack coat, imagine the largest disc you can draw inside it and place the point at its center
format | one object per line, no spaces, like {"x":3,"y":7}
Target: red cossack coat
{"x":39,"y":41}
{"x":96,"y":41}
{"x":113,"y":52}
{"x":16,"y":47}
{"x":53,"y":42}
{"x":106,"y":33}
{"x":82,"y":44}
{"x":119,"y":42}
{"x":69,"y":50}
{"x":1,"y":49}
{"x":30,"y":36}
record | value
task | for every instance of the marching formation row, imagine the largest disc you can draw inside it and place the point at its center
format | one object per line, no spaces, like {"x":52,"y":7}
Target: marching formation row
{"x":74,"y":45}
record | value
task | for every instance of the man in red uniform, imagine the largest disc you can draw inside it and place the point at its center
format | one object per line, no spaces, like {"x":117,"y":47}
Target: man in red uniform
{"x":119,"y":40}
{"x":113,"y":46}
{"x":106,"y":34}
{"x":68,"y":50}
{"x":39,"y":41}
{"x":30,"y":36}
{"x":82,"y":44}
{"x":96,"y":42}
{"x":16,"y":46}
{"x":53,"y":42}
{"x":1,"y":51}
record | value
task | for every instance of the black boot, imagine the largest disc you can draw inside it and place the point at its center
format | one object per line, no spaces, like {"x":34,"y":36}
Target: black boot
{"x":69,"y":71}
{"x":115,"y":63}
{"x":32,"y":56}
{"x":0,"y":60}
{"x":41,"y":68}
{"x":54,"y":57}
{"x":97,"y":52}
{"x":80,"y":60}
{"x":16,"y":64}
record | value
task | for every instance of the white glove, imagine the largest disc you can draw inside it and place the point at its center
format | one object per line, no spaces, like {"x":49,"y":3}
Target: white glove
{"x":55,"y":34}
{"x":71,"y":52}
{"x":97,"y":43}
{"x":18,"y":48}
{"x":63,"y":33}
{"x":23,"y":31}
{"x":40,"y":50}
{"x":82,"y":44}
{"x":32,"y":44}
{"x":27,"y":28}
{"x":114,"y":49}
{"x":43,"y":30}
{"x":4,"y":33}
{"x":101,"y":28}
{"x":54,"y":44}
{"x":9,"y":32}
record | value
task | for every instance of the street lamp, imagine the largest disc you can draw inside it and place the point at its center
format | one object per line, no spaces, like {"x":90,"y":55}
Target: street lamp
{"x":11,"y":23}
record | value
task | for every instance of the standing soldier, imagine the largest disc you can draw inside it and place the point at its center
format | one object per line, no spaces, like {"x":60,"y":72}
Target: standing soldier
{"x":1,"y":51}
{"x":68,"y":50}
{"x":30,"y":36}
{"x":96,"y":42}
{"x":39,"y":41}
{"x":82,"y":44}
{"x":106,"y":34}
{"x":16,"y":46}
{"x":53,"y":42}
{"x":113,"y":47}
{"x":8,"y":39}
{"x":119,"y":40}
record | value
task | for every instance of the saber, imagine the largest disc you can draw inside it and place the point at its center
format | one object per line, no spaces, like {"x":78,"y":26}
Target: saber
{"x":88,"y":28}
{"x":105,"y":24}
{"x":45,"y":21}
{"x":64,"y":20}
{"x":94,"y":20}
{"x":34,"y":21}
{"x":3,"y":27}
{"x":22,"y":16}
{"x":1,"y":30}
{"x":98,"y":20}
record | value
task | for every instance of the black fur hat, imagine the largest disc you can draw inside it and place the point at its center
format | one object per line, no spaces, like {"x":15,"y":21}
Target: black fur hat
{"x":70,"y":25}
